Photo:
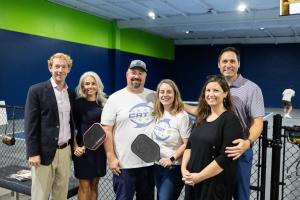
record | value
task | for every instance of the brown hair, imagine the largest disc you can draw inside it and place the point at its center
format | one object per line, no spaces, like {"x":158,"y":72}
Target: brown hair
{"x":204,"y":110}
{"x":177,"y":105}
{"x":232,"y":49}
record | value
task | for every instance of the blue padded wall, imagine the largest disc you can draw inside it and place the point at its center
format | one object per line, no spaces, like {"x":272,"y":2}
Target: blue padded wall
{"x":23,"y":62}
{"x":157,"y":69}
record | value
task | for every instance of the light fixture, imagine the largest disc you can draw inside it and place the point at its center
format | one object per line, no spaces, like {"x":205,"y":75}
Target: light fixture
{"x":189,"y":32}
{"x":151,"y":14}
{"x":242,"y":7}
{"x":261,"y":28}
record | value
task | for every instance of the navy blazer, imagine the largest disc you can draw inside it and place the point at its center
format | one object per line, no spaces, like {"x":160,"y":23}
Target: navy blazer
{"x":42,"y":121}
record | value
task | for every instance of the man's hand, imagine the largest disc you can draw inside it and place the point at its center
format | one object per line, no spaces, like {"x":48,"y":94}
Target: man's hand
{"x":114,"y":166}
{"x":236,"y":151}
{"x":35,"y":161}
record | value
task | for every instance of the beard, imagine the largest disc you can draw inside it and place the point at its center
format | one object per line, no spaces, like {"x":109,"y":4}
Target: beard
{"x":136,"y":83}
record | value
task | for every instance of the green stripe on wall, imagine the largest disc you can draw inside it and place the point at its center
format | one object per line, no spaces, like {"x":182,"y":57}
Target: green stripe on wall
{"x":43,"y":18}
{"x":136,"y":41}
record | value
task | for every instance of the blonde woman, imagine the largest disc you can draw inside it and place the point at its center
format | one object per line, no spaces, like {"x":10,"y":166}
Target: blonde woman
{"x":89,"y":165}
{"x":171,"y":132}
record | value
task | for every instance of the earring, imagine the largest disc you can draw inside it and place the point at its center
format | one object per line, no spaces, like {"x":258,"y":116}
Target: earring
{"x":224,"y":102}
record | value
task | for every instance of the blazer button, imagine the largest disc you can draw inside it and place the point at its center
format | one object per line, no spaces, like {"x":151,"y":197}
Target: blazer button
{"x":57,"y":126}
{"x":212,"y":157}
{"x":213,"y":147}
{"x":56,"y":138}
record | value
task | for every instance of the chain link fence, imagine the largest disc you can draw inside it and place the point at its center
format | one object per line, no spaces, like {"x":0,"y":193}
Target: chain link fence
{"x":12,"y":125}
{"x":290,"y":175}
{"x":12,"y":122}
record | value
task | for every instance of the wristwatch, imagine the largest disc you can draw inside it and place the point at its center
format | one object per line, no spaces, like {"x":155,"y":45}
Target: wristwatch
{"x":251,"y":142}
{"x":172,"y":159}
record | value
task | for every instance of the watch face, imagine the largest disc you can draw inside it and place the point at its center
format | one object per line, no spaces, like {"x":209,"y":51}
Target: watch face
{"x":172,"y":159}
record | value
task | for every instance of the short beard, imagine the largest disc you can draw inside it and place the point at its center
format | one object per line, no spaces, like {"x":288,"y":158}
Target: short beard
{"x":136,"y":84}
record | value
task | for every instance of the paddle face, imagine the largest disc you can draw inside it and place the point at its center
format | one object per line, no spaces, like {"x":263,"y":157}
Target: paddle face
{"x":94,"y":137}
{"x":145,"y":148}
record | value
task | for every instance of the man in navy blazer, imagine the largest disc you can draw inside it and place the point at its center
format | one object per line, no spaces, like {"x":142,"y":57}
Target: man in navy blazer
{"x":49,"y":130}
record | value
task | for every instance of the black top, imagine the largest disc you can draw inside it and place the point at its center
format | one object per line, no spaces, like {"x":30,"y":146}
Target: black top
{"x":207,"y":143}
{"x":92,"y":163}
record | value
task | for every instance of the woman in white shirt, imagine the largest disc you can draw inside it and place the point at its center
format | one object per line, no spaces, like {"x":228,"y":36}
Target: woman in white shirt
{"x":171,"y":132}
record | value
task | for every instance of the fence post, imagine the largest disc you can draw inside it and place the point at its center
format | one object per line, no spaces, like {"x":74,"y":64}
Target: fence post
{"x":276,"y":148}
{"x":264,"y":160}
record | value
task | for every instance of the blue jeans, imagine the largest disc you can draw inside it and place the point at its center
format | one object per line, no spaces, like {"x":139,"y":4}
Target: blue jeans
{"x":168,"y":182}
{"x":131,"y":181}
{"x":242,"y":185}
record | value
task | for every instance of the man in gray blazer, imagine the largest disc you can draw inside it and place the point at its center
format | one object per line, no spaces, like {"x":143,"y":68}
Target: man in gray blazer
{"x":49,"y":130}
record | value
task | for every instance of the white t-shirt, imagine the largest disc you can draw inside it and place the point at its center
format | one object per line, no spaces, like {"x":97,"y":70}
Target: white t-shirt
{"x":169,"y":132}
{"x":130,"y":115}
{"x":288,"y":94}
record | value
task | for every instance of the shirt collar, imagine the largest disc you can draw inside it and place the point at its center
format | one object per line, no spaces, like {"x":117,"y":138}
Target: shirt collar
{"x":238,"y":81}
{"x":54,"y":85}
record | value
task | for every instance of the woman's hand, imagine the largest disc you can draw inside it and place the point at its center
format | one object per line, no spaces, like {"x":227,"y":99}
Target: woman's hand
{"x":79,"y":151}
{"x":165,"y":162}
{"x":191,"y":178}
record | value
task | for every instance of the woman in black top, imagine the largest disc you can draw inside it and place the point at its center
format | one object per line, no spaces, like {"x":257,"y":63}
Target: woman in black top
{"x":207,"y":172}
{"x":89,"y":165}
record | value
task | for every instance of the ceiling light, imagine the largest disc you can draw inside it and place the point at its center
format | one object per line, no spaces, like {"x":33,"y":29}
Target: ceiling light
{"x":189,"y":32}
{"x":242,"y":7}
{"x":261,"y":28}
{"x":151,"y":14}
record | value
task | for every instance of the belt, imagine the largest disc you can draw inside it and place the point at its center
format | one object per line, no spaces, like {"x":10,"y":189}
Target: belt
{"x":62,"y":146}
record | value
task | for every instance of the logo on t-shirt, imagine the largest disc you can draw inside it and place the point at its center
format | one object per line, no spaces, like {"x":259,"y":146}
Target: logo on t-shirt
{"x":161,"y":130}
{"x":141,"y":115}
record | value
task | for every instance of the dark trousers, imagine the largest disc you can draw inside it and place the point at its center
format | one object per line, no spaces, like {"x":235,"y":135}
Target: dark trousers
{"x":168,"y":182}
{"x":138,"y":181}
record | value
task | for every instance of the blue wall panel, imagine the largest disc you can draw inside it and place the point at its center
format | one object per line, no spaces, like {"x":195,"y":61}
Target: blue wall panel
{"x":157,"y":69}
{"x":272,"y":67}
{"x":23,"y":62}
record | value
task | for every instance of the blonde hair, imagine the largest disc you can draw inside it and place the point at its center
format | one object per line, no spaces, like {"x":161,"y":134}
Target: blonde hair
{"x":177,"y":105}
{"x":101,"y":96}
{"x":62,"y":56}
